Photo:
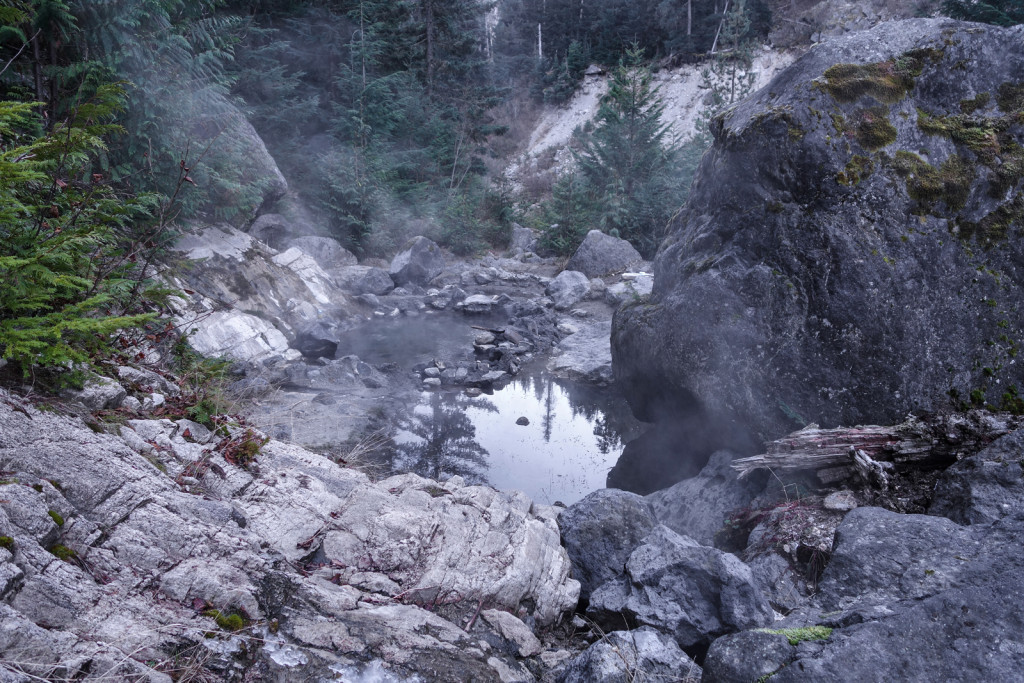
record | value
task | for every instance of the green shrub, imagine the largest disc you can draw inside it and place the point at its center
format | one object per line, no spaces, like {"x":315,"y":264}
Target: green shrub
{"x":67,"y":277}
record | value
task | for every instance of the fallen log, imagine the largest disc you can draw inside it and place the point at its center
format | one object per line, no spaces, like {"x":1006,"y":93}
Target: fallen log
{"x":929,"y":442}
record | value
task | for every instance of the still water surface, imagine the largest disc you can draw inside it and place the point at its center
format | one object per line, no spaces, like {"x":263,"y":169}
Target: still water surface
{"x":573,"y":437}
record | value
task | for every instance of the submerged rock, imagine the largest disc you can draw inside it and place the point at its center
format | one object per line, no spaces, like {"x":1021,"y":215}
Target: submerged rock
{"x":849,"y":250}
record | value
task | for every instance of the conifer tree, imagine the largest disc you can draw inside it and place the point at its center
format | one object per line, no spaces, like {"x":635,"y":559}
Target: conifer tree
{"x":630,"y":159}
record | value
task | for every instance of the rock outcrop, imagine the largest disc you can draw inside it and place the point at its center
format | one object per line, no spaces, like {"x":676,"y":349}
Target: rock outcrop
{"x":249,"y":302}
{"x":172,"y":545}
{"x":850,"y":249}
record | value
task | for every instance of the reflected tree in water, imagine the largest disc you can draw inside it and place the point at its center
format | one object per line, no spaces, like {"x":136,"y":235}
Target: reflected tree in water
{"x":446,"y":439}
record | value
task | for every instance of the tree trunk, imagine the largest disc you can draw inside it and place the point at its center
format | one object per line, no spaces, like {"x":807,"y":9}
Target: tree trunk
{"x":932,"y":442}
{"x":430,"y":29}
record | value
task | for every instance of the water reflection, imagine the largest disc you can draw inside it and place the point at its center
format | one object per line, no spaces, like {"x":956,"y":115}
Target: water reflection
{"x":438,"y":439}
{"x":573,"y":435}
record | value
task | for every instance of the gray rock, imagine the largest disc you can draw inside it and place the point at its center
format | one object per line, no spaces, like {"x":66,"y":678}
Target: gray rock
{"x":568,"y":288}
{"x":142,"y":378}
{"x":273,"y":230}
{"x":985,"y":487}
{"x":327,"y":252}
{"x":633,"y":290}
{"x":288,"y":288}
{"x":600,"y":254}
{"x":697,"y":507}
{"x":687,"y":590}
{"x":523,"y":240}
{"x":626,"y":656}
{"x":361,"y":280}
{"x":477,"y":304}
{"x":730,"y":658}
{"x":419,"y":262}
{"x":99,"y":393}
{"x":211,"y":531}
{"x":923,"y":595}
{"x":783,"y":286}
{"x":511,"y":628}
{"x":840,"y":501}
{"x":600,"y":532}
{"x":585,"y":355}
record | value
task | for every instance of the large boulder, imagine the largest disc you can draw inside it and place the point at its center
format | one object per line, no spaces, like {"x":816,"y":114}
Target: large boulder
{"x":698,"y":507}
{"x":419,"y":262}
{"x":326,"y":251}
{"x":285,"y":296}
{"x":682,"y":588}
{"x":985,"y":487}
{"x":364,"y":280}
{"x":585,"y":355}
{"x":928,"y":599}
{"x":849,"y":252}
{"x":600,"y":532}
{"x":601,"y":254}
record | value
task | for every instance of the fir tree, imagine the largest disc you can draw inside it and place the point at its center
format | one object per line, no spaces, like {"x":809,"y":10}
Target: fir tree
{"x":998,"y":12}
{"x":629,"y":162}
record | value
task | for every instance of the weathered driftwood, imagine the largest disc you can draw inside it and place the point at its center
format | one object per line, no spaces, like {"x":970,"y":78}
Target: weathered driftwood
{"x":920,"y":442}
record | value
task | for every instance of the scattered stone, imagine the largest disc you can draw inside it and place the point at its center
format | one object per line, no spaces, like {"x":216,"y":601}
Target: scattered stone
{"x":732,"y":658}
{"x":153,"y":401}
{"x":99,"y":393}
{"x":697,"y":507}
{"x":523,"y":421}
{"x":364,"y":281}
{"x":477,"y":304}
{"x":432,"y":382}
{"x":623,"y":656}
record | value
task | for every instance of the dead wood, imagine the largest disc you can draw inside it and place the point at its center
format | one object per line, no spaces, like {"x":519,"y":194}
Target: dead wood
{"x":928,"y":442}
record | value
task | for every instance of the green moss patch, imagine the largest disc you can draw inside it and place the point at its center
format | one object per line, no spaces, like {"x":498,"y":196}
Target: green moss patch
{"x":858,"y":169}
{"x":930,"y":186}
{"x":7,"y":543}
{"x":62,"y":552}
{"x":888,"y":81}
{"x":799,"y":635}
{"x":1010,"y":97}
{"x":873,"y":129}
{"x":977,"y":102}
{"x":228,"y":622}
{"x":56,"y":517}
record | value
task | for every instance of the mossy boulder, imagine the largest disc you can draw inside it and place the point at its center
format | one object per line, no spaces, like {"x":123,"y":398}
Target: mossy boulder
{"x":864,"y":269}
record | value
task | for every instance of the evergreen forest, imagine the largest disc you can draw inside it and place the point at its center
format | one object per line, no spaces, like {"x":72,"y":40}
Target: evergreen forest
{"x":123,"y":120}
